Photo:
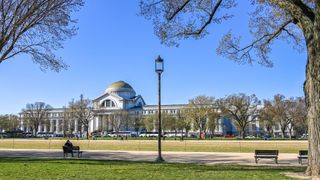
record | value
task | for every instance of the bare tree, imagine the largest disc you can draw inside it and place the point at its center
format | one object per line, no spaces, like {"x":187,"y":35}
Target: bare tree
{"x":295,"y":21}
{"x":280,"y":105}
{"x":67,"y":125}
{"x":199,"y":110}
{"x":36,"y":114}
{"x":149,"y":122}
{"x":119,"y":120}
{"x":266,"y":117}
{"x":36,"y":28}
{"x":182,"y":116}
{"x":170,"y":122}
{"x":213,"y":119}
{"x":297,"y":113}
{"x":300,"y":124}
{"x":136,"y":122}
{"x":9,"y":122}
{"x":241,"y":108}
{"x":82,"y":111}
{"x":288,"y":113}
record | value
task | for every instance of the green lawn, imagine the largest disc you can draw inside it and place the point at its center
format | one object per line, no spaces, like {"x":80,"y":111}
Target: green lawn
{"x":27,"y":168}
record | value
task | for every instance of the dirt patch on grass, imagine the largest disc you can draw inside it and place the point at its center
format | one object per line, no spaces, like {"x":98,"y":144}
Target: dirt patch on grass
{"x":297,"y":175}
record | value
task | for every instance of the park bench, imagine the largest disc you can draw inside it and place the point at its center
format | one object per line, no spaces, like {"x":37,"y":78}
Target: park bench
{"x":266,"y":154}
{"x":303,"y":154}
{"x":71,"y":150}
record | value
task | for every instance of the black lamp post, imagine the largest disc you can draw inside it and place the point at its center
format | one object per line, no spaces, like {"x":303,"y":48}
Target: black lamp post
{"x":159,"y":69}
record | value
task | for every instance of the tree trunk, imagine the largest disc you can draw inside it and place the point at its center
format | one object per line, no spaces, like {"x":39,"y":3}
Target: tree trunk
{"x":312,"y":93}
{"x":290,"y":133}
{"x":243,"y":134}
{"x":283,"y":130}
{"x":87,"y":129}
{"x":187,"y":132}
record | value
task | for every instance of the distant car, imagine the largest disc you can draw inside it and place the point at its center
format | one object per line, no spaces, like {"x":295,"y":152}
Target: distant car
{"x":148,"y":134}
{"x":120,"y":134}
{"x":96,"y":135}
{"x":40,"y":134}
{"x":229,"y":136}
{"x":27,"y":134}
{"x":58,"y":135}
{"x":174,"y":135}
{"x":266,"y":137}
{"x":304,"y":136}
{"x":250,"y":137}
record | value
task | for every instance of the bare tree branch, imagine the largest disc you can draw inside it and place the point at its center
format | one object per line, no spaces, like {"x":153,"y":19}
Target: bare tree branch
{"x":229,"y":46}
{"x":180,"y":8}
{"x":39,"y":26}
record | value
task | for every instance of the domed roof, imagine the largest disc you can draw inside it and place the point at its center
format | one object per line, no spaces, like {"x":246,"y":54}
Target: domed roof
{"x":120,"y":86}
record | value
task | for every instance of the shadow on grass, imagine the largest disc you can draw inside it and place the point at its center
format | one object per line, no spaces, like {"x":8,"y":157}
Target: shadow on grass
{"x":153,"y":165}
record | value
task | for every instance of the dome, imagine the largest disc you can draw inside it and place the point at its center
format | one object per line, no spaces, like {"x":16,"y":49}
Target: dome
{"x":122,"y":89}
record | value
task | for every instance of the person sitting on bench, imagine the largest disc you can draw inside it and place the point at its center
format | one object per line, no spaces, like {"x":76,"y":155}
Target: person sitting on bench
{"x":69,"y":146}
{"x":68,"y":143}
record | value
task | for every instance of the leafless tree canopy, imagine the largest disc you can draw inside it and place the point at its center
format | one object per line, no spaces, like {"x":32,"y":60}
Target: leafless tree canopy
{"x":81,"y":110}
{"x":242,"y":108}
{"x":266,"y":116}
{"x":271,"y":20}
{"x":9,"y":122}
{"x":180,"y":19}
{"x":36,"y":28}
{"x":36,"y":114}
{"x":201,"y":110}
{"x":119,"y":119}
{"x":288,"y":113}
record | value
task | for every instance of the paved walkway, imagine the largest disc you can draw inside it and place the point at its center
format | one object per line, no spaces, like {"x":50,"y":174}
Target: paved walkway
{"x":285,"y":159}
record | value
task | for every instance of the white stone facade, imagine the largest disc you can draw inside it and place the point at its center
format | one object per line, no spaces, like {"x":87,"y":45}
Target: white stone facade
{"x":120,"y":96}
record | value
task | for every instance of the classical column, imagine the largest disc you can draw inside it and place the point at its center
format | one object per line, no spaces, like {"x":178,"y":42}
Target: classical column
{"x":91,"y":125}
{"x":21,"y":125}
{"x":57,"y":126}
{"x":45,"y":128}
{"x":69,"y":126}
{"x":97,"y":123}
{"x":258,"y":126}
{"x":39,"y":128}
{"x":75,"y":126}
{"x":51,"y":125}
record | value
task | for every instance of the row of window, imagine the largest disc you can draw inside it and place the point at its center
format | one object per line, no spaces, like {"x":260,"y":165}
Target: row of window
{"x":109,"y":103}
{"x":169,"y":111}
{"x":55,"y":114}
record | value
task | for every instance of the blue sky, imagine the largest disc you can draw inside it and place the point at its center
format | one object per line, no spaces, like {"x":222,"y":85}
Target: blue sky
{"x":113,"y":43}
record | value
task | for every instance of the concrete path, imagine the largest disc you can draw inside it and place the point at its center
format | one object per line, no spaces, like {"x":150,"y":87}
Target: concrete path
{"x":285,"y":159}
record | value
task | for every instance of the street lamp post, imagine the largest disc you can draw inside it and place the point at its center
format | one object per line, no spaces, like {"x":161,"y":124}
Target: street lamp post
{"x":159,"y":69}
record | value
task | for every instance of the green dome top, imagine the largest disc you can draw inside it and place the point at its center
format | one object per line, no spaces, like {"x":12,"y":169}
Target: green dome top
{"x":119,"y":85}
{"x":121,"y":88}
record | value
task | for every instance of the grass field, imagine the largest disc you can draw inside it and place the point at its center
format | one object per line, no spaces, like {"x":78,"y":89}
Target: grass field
{"x":27,"y":168}
{"x":151,"y":145}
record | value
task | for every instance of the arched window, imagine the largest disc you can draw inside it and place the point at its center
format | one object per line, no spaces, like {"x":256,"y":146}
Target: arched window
{"x":108,"y":103}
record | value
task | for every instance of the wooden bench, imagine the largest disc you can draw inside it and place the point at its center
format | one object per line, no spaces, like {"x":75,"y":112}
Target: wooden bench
{"x":303,"y":154}
{"x":71,"y":150}
{"x":266,"y":154}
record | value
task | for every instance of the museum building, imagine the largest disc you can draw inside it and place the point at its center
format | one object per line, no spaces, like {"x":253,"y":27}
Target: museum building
{"x":120,"y":96}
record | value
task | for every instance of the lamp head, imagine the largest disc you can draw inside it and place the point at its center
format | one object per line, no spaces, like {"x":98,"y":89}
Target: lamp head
{"x":159,"y":66}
